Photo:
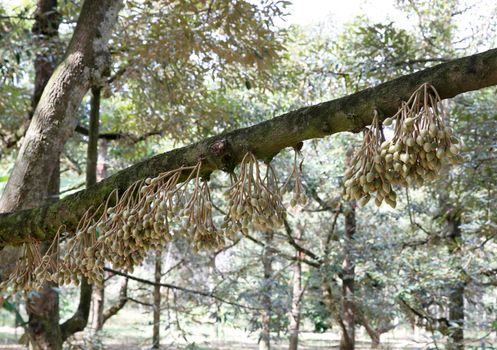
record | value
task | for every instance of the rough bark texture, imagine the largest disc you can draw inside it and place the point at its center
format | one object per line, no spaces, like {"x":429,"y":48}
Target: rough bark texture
{"x":45,"y":34}
{"x":157,"y":300}
{"x":54,"y":118}
{"x":265,"y":140}
{"x":43,"y":310}
{"x":347,"y":341}
{"x":294,"y":324}
{"x":43,"y":324}
{"x":455,"y":339}
{"x":43,"y":306}
{"x":267,"y":265}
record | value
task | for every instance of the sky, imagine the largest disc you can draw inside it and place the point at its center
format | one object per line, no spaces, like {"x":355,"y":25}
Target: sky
{"x":479,"y":17}
{"x":306,"y":12}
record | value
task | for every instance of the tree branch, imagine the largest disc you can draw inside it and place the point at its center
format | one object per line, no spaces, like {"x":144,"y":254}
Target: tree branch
{"x":78,"y":321}
{"x":186,"y":290}
{"x":112,"y":136}
{"x":350,"y":113}
{"x":123,"y":299}
{"x":298,"y":247}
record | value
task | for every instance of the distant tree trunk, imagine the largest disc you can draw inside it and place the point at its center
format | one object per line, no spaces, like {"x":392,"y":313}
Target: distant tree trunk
{"x":456,"y":296}
{"x":102,"y":160}
{"x":267,"y":264}
{"x":45,"y":34}
{"x":296,"y":293}
{"x":93,"y":132}
{"x":93,"y":175}
{"x":347,"y":342}
{"x":374,"y":335}
{"x":157,"y":299}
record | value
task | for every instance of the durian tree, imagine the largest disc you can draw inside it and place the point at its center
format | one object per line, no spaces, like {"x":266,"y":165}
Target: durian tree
{"x":146,"y":205}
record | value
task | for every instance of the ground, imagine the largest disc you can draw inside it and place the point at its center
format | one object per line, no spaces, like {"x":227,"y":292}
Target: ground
{"x":131,"y":329}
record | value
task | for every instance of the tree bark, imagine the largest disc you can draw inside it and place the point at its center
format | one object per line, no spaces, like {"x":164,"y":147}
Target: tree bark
{"x":347,"y":341}
{"x":98,"y":293}
{"x":265,"y":140}
{"x":157,"y":300}
{"x":98,"y":296}
{"x":42,"y":307}
{"x":267,"y":265}
{"x":374,"y":334}
{"x":45,"y":34}
{"x":54,"y":118}
{"x":43,"y":324}
{"x":456,"y":293}
{"x":79,"y":319}
{"x":296,"y":293}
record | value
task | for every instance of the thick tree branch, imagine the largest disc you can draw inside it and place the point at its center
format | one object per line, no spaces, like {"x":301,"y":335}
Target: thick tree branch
{"x":350,"y":113}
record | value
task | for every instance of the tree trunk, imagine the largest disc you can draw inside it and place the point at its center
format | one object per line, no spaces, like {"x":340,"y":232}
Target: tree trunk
{"x":92,"y":177}
{"x":267,"y":264}
{"x":42,"y":307}
{"x":157,"y":300}
{"x":375,"y":340}
{"x":54,"y":118}
{"x":347,"y":341}
{"x":456,"y":294}
{"x":123,"y":299}
{"x":43,"y":324}
{"x":45,"y":33}
{"x":294,"y":326}
{"x":93,"y":132}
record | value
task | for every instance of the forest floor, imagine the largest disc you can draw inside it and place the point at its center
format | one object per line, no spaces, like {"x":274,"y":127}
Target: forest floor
{"x":232,"y":339}
{"x":131,"y":330}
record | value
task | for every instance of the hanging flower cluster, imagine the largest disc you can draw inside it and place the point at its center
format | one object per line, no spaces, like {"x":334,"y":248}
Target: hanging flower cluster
{"x":148,"y":215}
{"x":178,"y":203}
{"x":420,"y":142}
{"x":254,"y":199}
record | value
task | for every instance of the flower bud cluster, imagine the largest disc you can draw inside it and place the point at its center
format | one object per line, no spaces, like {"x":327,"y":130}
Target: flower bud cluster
{"x":254,"y":199}
{"x":146,"y":217}
{"x":298,"y":197}
{"x":420,"y":143}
